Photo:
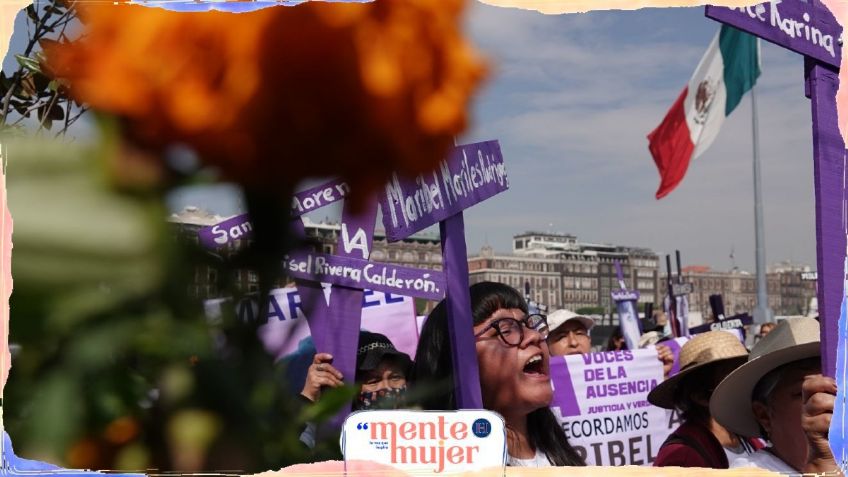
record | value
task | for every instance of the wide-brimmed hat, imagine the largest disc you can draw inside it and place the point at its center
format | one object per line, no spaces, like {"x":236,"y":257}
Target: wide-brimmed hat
{"x":373,"y":348}
{"x":793,"y":340}
{"x":649,"y":338}
{"x":706,"y":349}
{"x":559,"y":317}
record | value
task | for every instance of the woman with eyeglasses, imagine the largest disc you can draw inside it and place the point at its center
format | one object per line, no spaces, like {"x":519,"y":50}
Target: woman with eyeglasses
{"x":514,"y":373}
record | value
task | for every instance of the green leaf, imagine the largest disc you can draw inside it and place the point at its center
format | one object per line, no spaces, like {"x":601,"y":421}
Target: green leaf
{"x":28,"y":86}
{"x":53,"y":86}
{"x":28,"y":63}
{"x":41,"y":82}
{"x":58,"y":412}
{"x":19,"y":106}
{"x":56,"y":113}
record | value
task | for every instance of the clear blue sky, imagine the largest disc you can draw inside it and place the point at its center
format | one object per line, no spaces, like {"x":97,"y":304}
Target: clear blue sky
{"x":571,"y":100}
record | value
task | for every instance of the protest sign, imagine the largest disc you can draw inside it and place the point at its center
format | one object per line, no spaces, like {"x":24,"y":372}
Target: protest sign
{"x":283,"y":324}
{"x":426,"y":442}
{"x":601,"y":400}
{"x":628,"y":316}
{"x":736,"y":322}
{"x":805,"y":27}
{"x":357,"y":273}
{"x":471,"y":174}
{"x":240,"y":228}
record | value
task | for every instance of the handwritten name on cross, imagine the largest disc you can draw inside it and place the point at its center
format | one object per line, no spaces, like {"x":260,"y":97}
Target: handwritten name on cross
{"x":810,"y":29}
{"x":807,"y":28}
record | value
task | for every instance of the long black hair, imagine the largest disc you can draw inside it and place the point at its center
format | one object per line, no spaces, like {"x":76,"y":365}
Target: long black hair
{"x":433,"y":370}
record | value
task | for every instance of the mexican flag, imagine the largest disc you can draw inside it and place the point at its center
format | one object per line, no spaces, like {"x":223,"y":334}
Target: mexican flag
{"x":726,"y":72}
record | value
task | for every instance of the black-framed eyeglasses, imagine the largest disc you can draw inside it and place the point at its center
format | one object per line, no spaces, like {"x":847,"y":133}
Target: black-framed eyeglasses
{"x":511,"y":331}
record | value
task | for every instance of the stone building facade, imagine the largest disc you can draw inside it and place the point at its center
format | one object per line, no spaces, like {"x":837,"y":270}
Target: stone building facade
{"x":561,"y":271}
{"x":422,"y":250}
{"x":565,"y":273}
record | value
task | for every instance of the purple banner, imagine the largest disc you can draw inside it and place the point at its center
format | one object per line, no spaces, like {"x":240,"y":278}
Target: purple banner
{"x":239,"y":227}
{"x":807,"y":28}
{"x":471,"y":174}
{"x":564,"y":396}
{"x":357,"y":273}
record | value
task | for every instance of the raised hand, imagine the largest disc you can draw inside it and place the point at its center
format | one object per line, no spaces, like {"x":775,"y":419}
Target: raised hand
{"x":321,"y":374}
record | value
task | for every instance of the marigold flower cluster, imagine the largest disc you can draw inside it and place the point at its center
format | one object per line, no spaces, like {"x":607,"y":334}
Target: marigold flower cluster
{"x":284,"y":93}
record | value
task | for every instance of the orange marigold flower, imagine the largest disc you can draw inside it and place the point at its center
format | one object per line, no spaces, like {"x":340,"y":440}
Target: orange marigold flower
{"x":281,"y":94}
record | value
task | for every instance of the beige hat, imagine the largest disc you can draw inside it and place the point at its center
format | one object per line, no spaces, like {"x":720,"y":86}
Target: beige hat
{"x":559,"y":317}
{"x":794,"y":339}
{"x":649,"y":338}
{"x":702,"y":350}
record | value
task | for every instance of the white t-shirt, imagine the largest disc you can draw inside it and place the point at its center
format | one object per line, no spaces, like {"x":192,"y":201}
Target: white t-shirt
{"x":736,"y":453}
{"x":762,"y":459}
{"x":540,"y":460}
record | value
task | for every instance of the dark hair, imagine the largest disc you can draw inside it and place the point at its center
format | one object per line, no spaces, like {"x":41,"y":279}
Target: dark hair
{"x":696,"y":384}
{"x":433,"y":369}
{"x":616,"y":335}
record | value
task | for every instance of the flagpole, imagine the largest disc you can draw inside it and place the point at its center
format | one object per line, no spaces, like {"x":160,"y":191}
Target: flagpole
{"x":762,"y":313}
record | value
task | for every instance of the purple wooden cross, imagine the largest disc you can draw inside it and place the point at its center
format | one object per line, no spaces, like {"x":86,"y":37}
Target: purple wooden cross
{"x":335,"y":326}
{"x":471,"y":173}
{"x":810,"y":29}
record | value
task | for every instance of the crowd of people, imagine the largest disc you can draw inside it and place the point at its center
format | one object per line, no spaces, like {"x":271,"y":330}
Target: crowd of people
{"x":770,"y":408}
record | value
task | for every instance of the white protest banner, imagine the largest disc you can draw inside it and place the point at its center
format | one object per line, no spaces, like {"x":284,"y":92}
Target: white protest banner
{"x":601,"y":402}
{"x":284,"y":323}
{"x":419,"y":442}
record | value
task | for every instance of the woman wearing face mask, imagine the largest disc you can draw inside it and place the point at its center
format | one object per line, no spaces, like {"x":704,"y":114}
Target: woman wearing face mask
{"x":515,"y":380}
{"x":381,"y":373}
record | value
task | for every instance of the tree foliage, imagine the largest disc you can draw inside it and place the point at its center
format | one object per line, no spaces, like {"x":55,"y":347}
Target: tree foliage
{"x":31,"y":99}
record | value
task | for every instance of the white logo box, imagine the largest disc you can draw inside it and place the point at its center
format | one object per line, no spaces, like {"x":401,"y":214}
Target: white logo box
{"x":429,"y":442}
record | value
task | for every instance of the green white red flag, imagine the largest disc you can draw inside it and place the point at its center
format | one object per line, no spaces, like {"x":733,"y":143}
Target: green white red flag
{"x":727,"y":71}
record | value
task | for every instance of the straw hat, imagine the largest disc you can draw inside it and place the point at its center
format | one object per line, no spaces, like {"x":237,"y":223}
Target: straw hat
{"x":559,"y":317}
{"x":649,"y":338}
{"x":704,"y":349}
{"x":794,"y":339}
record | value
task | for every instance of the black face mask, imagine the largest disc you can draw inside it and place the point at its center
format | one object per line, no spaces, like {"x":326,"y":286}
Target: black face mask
{"x":388,"y":398}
